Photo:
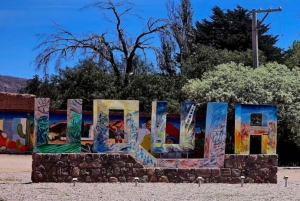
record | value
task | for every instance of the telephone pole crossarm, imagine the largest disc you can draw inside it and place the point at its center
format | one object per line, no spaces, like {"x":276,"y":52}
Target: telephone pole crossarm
{"x":254,"y":32}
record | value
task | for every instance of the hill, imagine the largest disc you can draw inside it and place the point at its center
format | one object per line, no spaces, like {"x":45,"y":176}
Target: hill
{"x":11,"y":84}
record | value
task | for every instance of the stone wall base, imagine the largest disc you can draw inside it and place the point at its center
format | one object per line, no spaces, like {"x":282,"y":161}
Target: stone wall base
{"x":124,"y":168}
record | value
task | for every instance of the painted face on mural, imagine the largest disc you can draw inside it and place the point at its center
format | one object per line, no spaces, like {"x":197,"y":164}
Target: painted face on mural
{"x":148,"y":124}
{"x":169,"y":141}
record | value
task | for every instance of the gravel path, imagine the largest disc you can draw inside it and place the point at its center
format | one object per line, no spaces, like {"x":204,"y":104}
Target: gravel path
{"x":15,"y":184}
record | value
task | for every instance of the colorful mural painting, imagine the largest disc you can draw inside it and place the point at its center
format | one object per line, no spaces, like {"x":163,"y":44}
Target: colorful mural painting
{"x":101,"y":124}
{"x":215,"y":135}
{"x":16,"y":134}
{"x":158,"y":129}
{"x":266,"y":127}
{"x":41,"y":128}
{"x":159,"y":140}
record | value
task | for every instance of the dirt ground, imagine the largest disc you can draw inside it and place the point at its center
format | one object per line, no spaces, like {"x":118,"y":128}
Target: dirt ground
{"x":22,"y":163}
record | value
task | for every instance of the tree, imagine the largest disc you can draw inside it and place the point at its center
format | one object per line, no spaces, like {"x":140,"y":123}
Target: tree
{"x":65,"y":45}
{"x":269,"y":84}
{"x":205,"y":58}
{"x":178,"y":36}
{"x":41,"y":87}
{"x":232,"y":29}
{"x":87,"y":81}
{"x":292,"y":55}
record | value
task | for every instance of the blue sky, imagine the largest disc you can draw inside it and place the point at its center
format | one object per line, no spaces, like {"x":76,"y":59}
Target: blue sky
{"x":21,"y":20}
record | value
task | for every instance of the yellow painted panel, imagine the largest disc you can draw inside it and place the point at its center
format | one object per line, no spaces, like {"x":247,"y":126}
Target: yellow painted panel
{"x":1,"y":124}
{"x":264,"y":144}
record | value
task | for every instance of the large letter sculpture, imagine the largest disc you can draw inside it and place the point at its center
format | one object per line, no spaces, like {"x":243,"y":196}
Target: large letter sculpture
{"x":158,"y":127}
{"x":243,"y":128}
{"x":215,"y":135}
{"x":41,"y":129}
{"x":101,"y":125}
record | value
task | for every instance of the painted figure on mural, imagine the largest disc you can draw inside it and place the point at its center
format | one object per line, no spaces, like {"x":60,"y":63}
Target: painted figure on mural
{"x":170,"y":139}
{"x":118,"y":134}
{"x":145,"y":134}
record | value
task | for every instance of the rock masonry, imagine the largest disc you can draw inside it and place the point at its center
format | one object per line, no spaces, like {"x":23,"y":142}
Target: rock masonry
{"x":124,"y":168}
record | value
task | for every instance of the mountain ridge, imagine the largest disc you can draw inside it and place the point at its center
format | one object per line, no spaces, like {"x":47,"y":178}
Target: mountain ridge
{"x":11,"y":84}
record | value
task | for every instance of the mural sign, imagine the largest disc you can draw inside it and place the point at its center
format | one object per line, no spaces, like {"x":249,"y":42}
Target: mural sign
{"x":41,"y":129}
{"x":266,"y":127}
{"x":159,"y":140}
{"x":215,"y":136}
{"x":101,"y":125}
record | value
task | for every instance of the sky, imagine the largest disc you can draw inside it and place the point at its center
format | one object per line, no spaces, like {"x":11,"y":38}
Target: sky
{"x":22,"y":20}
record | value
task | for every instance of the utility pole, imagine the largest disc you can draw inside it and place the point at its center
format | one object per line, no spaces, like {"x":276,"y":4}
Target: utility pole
{"x":255,"y":29}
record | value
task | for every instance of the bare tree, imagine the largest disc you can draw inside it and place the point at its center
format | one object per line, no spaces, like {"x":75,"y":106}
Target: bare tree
{"x":64,"y":45}
{"x":179,"y":35}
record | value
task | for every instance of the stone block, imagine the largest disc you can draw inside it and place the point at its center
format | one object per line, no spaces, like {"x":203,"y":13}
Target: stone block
{"x":117,"y":171}
{"x":113,"y":180}
{"x":263,"y":172}
{"x":138,"y":172}
{"x":36,"y":157}
{"x":249,"y":180}
{"x":85,"y":165}
{"x":153,"y":178}
{"x":253,"y":158}
{"x":240,"y":158}
{"x":138,"y":165}
{"x":96,"y":164}
{"x":236,"y":172}
{"x":74,"y":163}
{"x":61,"y":178}
{"x":84,"y":172}
{"x":119,"y":163}
{"x":72,"y":157}
{"x":69,"y":179}
{"x":80,"y":157}
{"x":273,"y":170}
{"x":215,"y":172}
{"x":95,"y":172}
{"x":228,"y":163}
{"x":225,"y":172}
{"x":144,"y":179}
{"x":163,"y":179}
{"x":64,"y":157}
{"x":65,"y":171}
{"x":40,"y":168}
{"x":122,"y":179}
{"x":54,"y":157}
{"x":61,"y":163}
{"x":88,"y":158}
{"x":75,"y":172}
{"x":150,"y":172}
{"x":129,"y":164}
{"x":114,"y":157}
{"x":203,"y":172}
{"x":89,"y":179}
{"x":52,"y":171}
{"x":239,"y":165}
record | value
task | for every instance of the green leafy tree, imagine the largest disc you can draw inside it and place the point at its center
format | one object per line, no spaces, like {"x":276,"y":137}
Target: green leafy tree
{"x":205,"y":58}
{"x":87,"y":81}
{"x":292,"y":55}
{"x":232,"y":30}
{"x":41,"y":87}
{"x":269,"y":84}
